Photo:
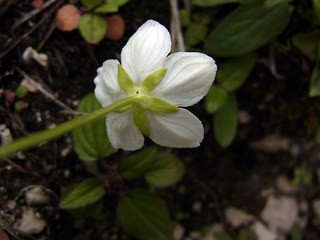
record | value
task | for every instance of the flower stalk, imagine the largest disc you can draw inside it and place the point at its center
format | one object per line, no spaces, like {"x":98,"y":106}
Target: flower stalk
{"x":49,"y":134}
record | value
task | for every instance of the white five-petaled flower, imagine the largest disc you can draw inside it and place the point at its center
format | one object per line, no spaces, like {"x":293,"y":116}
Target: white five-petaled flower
{"x":181,"y":79}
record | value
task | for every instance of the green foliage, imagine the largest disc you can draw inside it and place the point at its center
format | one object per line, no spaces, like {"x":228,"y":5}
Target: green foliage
{"x":308,"y":43}
{"x":137,"y":164}
{"x":249,"y":27}
{"x":185,"y":18}
{"x":84,"y":194}
{"x":21,"y":91}
{"x":91,"y":141}
{"x":316,"y":7}
{"x":208,"y":3}
{"x":314,"y":87}
{"x":301,"y":175}
{"x":215,"y":99}
{"x":296,"y":232}
{"x":234,"y":72}
{"x":145,"y":216}
{"x":195,"y":33}
{"x":165,"y":170}
{"x":222,"y":236}
{"x":111,"y":6}
{"x":92,"y":27}
{"x":225,"y":122}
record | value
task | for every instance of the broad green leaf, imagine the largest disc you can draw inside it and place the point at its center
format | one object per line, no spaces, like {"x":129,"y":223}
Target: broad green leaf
{"x":195,"y":33}
{"x":136,"y":165}
{"x":92,"y":27}
{"x":222,"y":236}
{"x":165,"y":170}
{"x":247,"y":28}
{"x":225,"y":122}
{"x":314,"y":87}
{"x":91,"y":141}
{"x":215,"y":99}
{"x":271,"y":3}
{"x":145,"y":216}
{"x":234,"y":72}
{"x":87,"y":192}
{"x":111,"y":6}
{"x":316,"y":8}
{"x":184,"y":16}
{"x":91,"y":3}
{"x":307,"y":43}
{"x":208,"y":3}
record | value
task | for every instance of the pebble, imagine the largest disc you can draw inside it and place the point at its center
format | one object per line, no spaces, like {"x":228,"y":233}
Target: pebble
{"x":284,"y":185}
{"x":36,"y":196}
{"x":280,"y":213}
{"x":237,"y":217}
{"x":262,"y":232}
{"x":30,"y":223}
{"x":178,"y":232}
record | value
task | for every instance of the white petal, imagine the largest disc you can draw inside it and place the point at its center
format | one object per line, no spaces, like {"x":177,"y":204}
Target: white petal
{"x":188,"y":78}
{"x":107,"y":88}
{"x":181,"y":129}
{"x":122,"y":131}
{"x":146,"y":51}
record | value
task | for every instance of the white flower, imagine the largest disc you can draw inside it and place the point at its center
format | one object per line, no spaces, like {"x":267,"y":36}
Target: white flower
{"x":181,"y":79}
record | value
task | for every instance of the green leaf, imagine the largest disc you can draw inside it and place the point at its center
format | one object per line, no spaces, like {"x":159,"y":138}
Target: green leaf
{"x":184,"y":16}
{"x":316,"y":8}
{"x":222,"y":236}
{"x":111,"y":6}
{"x":165,"y":170}
{"x":145,"y":216}
{"x":225,"y":122}
{"x":215,"y":99}
{"x":152,"y":80}
{"x":208,"y":3}
{"x":91,"y":3}
{"x":314,"y":87}
{"x":234,"y":72}
{"x":307,"y":43}
{"x":87,"y":192}
{"x":91,"y":141}
{"x":137,"y":164}
{"x":271,"y":3}
{"x":195,"y":33}
{"x":247,"y":28}
{"x":92,"y":27}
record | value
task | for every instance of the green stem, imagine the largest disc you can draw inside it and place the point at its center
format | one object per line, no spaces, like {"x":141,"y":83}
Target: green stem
{"x":46,"y":135}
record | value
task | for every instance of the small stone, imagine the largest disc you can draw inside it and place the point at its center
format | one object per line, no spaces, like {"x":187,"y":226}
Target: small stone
{"x":36,"y":196}
{"x":280,"y":213}
{"x":29,"y":223}
{"x":271,"y":143}
{"x":316,"y":207}
{"x":178,"y":232}
{"x":197,"y":207}
{"x":262,"y":232}
{"x":237,"y":217}
{"x":284,"y":185}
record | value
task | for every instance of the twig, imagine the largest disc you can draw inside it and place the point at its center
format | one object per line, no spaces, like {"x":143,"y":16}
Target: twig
{"x":46,"y":93}
{"x":176,"y":26}
{"x":13,"y":164}
{"x":15,"y":44}
{"x":32,"y":13}
{"x":6,"y":226}
{"x":46,"y":37}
